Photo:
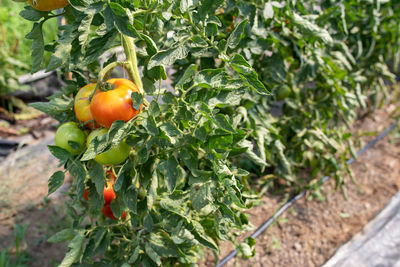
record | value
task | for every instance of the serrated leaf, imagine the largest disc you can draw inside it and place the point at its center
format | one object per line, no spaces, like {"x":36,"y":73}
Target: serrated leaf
{"x":55,"y":181}
{"x":122,"y":21}
{"x":200,"y":195}
{"x":236,"y":35}
{"x":223,"y":123}
{"x":152,"y":254}
{"x":29,"y":13}
{"x":59,"y":152}
{"x":170,"y":129}
{"x":167,"y":57}
{"x":151,"y":46}
{"x":152,"y":195}
{"x":60,"y":56}
{"x":137,"y":100}
{"x":172,"y":172}
{"x":150,"y":125}
{"x":75,"y":250}
{"x":62,"y":236}
{"x":248,"y":74}
{"x":96,"y":173}
{"x":135,"y":255}
{"x":148,"y":223}
{"x":37,"y":47}
{"x":311,"y":28}
{"x":84,"y":28}
{"x":187,"y":75}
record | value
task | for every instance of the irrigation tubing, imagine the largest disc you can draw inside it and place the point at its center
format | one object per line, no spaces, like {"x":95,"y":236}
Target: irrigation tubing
{"x":291,"y":201}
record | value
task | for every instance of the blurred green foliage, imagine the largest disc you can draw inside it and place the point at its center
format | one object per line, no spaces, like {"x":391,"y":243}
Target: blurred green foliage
{"x":15,"y":52}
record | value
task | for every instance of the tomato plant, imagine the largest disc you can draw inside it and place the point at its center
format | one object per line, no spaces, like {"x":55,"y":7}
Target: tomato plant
{"x":70,"y":138}
{"x":115,"y":104}
{"x":200,"y":138}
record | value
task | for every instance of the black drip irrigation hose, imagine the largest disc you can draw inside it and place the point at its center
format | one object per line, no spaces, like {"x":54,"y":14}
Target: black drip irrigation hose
{"x":291,"y":201}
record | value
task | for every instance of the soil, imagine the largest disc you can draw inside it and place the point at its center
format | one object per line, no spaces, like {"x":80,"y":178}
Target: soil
{"x":306,"y":235}
{"x":310,"y":232}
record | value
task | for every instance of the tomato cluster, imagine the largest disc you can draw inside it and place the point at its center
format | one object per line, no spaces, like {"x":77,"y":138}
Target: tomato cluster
{"x":97,"y":109}
{"x":108,"y":195}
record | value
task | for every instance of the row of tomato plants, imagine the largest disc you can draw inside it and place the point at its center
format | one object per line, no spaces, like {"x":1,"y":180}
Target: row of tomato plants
{"x":259,"y":88}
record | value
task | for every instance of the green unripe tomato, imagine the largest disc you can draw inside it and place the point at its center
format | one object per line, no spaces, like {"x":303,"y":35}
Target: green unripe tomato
{"x":115,"y":155}
{"x":283,"y":92}
{"x":70,"y":138}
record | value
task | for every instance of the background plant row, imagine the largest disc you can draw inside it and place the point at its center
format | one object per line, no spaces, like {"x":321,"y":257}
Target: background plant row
{"x":260,"y":89}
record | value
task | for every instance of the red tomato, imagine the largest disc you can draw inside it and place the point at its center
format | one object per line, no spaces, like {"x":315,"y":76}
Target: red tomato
{"x":82,"y":105}
{"x":108,"y":212}
{"x":86,"y":194}
{"x":108,"y":193}
{"x":116,"y":104}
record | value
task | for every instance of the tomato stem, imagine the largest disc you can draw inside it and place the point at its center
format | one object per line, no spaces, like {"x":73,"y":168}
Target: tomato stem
{"x":131,"y":58}
{"x":132,"y":64}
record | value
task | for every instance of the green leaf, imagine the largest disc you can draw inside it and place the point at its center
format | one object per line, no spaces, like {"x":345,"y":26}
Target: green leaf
{"x":37,"y":47}
{"x":200,"y":195}
{"x":172,"y":172}
{"x":150,"y":125}
{"x":236,"y":35}
{"x":163,"y":245}
{"x":170,"y":129}
{"x":55,"y":181}
{"x":201,"y":133}
{"x":75,"y":250}
{"x":167,"y":57}
{"x":268,"y":11}
{"x":152,"y":254}
{"x":60,"y":56}
{"x":223,"y":123}
{"x":311,"y":28}
{"x":122,"y":21}
{"x":148,"y":223}
{"x":148,"y":86}
{"x":84,"y":28}
{"x":54,"y":107}
{"x":59,"y":153}
{"x":199,"y":233}
{"x":134,"y":256}
{"x":96,"y":173}
{"x":248,"y":74}
{"x":29,"y":13}
{"x":187,"y":75}
{"x":137,"y":100}
{"x":62,"y":236}
{"x":151,"y":46}
{"x":247,"y":248}
{"x":152,"y":195}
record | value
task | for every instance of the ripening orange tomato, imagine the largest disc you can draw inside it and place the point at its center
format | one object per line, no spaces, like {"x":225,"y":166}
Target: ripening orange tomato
{"x":82,"y":105}
{"x":116,"y":104}
{"x":48,"y":5}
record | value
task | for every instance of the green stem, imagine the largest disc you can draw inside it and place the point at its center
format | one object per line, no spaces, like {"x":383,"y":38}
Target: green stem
{"x":131,"y":58}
